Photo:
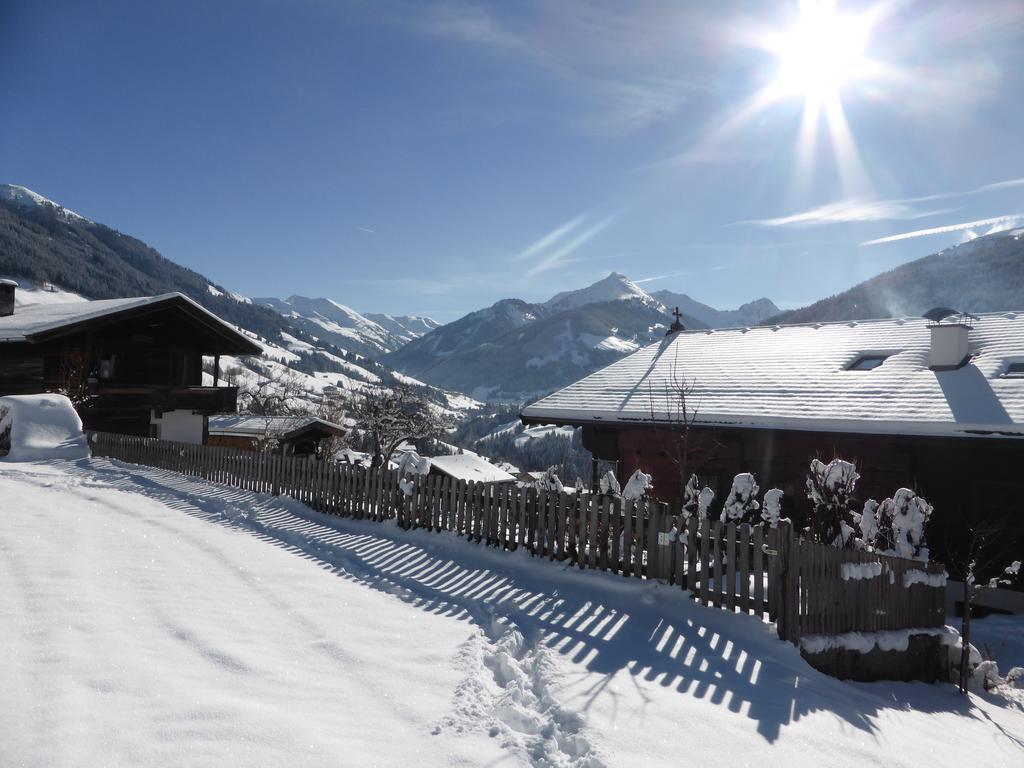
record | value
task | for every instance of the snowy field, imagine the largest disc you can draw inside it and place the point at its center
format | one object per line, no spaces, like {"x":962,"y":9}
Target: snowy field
{"x":153,"y":620}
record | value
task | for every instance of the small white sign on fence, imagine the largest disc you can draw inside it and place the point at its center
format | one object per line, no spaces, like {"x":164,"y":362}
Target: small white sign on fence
{"x":663,"y":539}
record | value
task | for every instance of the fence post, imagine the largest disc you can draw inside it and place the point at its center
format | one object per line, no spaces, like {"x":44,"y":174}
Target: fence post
{"x":787,"y":584}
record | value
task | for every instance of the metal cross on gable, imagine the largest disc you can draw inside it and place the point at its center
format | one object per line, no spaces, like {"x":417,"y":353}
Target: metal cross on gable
{"x":677,"y":326}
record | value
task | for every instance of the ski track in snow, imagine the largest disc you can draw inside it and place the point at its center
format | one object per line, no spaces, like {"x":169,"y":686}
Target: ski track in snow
{"x":563,"y":668}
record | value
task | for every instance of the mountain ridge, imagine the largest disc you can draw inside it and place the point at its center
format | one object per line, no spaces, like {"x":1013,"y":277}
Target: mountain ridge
{"x":985,"y":274}
{"x":513,"y":349}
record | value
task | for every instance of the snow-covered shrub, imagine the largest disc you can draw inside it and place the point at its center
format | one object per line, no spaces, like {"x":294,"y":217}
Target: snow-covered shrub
{"x":550,"y":482}
{"x":5,"y":430}
{"x":410,"y":465}
{"x":691,"y":494}
{"x":1015,"y":677}
{"x":867,"y":522}
{"x":610,"y":484}
{"x":896,"y":526}
{"x":740,"y":505}
{"x":830,"y":489}
{"x":772,"y":511}
{"x":696,"y":500}
{"x":986,"y":676}
{"x":638,"y":486}
{"x":704,"y":500}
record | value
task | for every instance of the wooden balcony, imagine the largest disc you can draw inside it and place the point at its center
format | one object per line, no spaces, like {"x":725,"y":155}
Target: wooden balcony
{"x":206,"y":400}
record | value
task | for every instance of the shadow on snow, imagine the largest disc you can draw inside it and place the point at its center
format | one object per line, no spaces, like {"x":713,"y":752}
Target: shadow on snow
{"x":661,"y":636}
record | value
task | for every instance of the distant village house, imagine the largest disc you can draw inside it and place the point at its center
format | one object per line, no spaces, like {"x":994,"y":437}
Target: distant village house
{"x":286,"y":435}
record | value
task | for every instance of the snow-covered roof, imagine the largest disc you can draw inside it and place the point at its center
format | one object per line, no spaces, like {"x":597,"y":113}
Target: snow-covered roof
{"x":470,"y":467}
{"x":29,"y":323}
{"x":797,"y":377}
{"x":272,"y":426}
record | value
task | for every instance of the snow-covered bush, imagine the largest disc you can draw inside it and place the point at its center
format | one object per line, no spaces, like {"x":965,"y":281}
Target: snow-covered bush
{"x":5,"y":429}
{"x":896,"y":526}
{"x":610,"y":484}
{"x":638,"y":486}
{"x":740,"y":505}
{"x":549,"y":481}
{"x":772,"y":511}
{"x":830,"y":489}
{"x":696,"y":500}
{"x":410,"y":465}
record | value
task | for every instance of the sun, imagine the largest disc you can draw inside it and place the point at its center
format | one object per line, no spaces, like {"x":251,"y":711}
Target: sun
{"x":821,"y":53}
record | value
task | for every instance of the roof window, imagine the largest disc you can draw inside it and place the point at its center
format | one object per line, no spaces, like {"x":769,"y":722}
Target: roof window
{"x":867,"y":362}
{"x":1014,"y":371}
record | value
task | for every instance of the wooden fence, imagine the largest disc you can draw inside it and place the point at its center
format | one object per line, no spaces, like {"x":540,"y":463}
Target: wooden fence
{"x":804,"y":587}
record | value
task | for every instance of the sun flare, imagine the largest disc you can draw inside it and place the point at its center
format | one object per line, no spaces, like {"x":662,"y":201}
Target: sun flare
{"x":821,"y":53}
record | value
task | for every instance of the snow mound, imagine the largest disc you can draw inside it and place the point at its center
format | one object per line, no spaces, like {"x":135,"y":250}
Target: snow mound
{"x":35,"y":427}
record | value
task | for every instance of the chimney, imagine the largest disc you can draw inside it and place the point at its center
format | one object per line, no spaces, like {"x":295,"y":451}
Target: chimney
{"x":7,"y":288}
{"x":950,"y":347}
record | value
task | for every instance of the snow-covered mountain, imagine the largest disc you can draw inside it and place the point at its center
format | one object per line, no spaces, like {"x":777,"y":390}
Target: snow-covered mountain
{"x":615,"y":287}
{"x":370,"y":334}
{"x":751,"y":313}
{"x":405,"y":328}
{"x":58,"y":256}
{"x":23,"y":197}
{"x":514,"y":350}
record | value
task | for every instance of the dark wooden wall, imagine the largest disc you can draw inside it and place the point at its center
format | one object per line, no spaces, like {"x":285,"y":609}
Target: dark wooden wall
{"x":965,"y":478}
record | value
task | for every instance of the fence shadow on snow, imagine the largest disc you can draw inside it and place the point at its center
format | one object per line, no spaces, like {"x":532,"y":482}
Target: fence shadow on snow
{"x":729,"y":660}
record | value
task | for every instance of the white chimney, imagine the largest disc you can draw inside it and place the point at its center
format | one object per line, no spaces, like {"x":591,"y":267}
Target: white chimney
{"x":7,"y":289}
{"x":950,"y":346}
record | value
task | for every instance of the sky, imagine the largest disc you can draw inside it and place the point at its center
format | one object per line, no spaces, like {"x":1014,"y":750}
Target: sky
{"x":432,"y":158}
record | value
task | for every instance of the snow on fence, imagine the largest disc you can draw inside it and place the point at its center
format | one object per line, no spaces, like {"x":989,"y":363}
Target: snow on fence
{"x":804,"y":587}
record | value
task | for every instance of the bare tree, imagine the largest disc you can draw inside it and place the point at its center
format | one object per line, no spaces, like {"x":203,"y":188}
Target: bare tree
{"x":390,"y":417}
{"x":673,"y":415}
{"x":278,"y":394}
{"x":333,"y":407}
{"x":983,"y":551}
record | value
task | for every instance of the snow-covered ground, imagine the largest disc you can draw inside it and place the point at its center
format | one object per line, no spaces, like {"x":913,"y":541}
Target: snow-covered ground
{"x":152,"y":619}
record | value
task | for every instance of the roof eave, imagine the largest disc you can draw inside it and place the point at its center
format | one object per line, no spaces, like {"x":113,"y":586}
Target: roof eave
{"x":242,"y":345}
{"x":1012,"y":431}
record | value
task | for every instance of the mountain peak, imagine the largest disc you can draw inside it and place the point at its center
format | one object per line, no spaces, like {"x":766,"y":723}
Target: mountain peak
{"x":614,"y":287}
{"x":24,"y":197}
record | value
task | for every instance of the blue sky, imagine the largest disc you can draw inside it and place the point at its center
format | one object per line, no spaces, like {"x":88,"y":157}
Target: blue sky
{"x":434,"y":157}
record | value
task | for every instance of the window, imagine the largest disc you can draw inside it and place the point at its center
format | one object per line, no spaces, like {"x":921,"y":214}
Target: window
{"x":867,"y":362}
{"x":1015,"y":371}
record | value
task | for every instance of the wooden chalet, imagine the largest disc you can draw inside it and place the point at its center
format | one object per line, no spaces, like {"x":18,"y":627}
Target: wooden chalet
{"x":132,"y":366}
{"x":287,"y":435}
{"x":933,"y":406}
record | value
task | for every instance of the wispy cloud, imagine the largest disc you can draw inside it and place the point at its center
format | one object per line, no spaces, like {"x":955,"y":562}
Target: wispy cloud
{"x":367,"y":230}
{"x":558,"y":252}
{"x":999,"y":185}
{"x":551,"y":237}
{"x":467,"y":23}
{"x":997,"y":224}
{"x":623,"y":65}
{"x":692,"y":272}
{"x":854,"y":209}
{"x":844,"y":211}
